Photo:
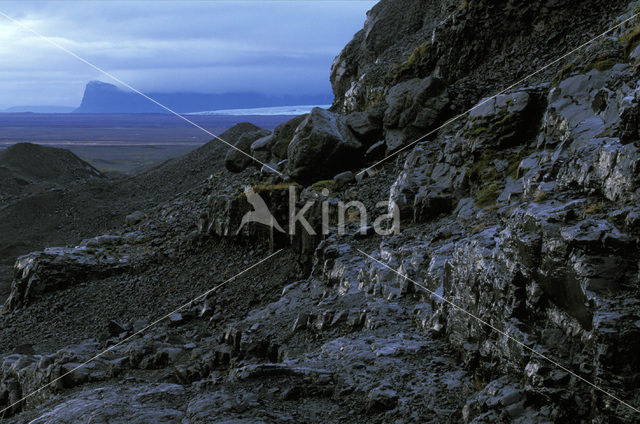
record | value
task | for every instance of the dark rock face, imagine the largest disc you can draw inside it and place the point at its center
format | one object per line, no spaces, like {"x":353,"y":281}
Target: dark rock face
{"x":481,"y":44}
{"x":391,"y":30}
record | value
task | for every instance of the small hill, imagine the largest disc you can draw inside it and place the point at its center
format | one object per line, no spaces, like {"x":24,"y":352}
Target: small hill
{"x":35,"y":163}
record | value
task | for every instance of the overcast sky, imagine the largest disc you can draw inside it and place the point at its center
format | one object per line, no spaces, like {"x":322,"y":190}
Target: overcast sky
{"x":204,"y":46}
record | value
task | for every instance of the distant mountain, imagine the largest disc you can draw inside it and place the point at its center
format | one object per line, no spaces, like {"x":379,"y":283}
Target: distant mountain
{"x":101,"y":97}
{"x":39,"y":109}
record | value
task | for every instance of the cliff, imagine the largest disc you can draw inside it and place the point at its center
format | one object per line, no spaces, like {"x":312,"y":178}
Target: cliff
{"x":480,"y":46}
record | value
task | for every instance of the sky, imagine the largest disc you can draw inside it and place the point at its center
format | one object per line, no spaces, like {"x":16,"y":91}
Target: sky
{"x":209,"y":46}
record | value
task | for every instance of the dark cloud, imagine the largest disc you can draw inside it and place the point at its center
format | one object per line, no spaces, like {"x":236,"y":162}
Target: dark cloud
{"x":212,"y":46}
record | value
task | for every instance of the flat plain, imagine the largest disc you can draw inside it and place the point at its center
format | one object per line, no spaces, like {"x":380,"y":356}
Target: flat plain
{"x":122,"y":143}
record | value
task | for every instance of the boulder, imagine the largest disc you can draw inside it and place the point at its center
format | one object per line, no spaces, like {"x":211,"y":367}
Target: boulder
{"x":140,"y":403}
{"x":58,"y":267}
{"x":343,"y":179}
{"x":134,"y":218}
{"x":322,"y":146}
{"x":375,"y":151}
{"x":414,"y":108}
{"x":381,"y":399}
{"x":425,"y":189}
{"x":282,"y":136}
{"x":502,"y":121}
{"x":239,"y":159}
{"x":367,"y":125}
{"x":115,"y":328}
{"x":261,"y":148}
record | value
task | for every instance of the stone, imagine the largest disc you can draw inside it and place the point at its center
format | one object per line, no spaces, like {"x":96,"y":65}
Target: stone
{"x":206,"y":310}
{"x":58,"y":267}
{"x":381,"y":399}
{"x":503,"y":121}
{"x":322,"y":146}
{"x":414,"y":107}
{"x":367,"y":125}
{"x":134,"y":218}
{"x":343,"y":179}
{"x":139,"y":324}
{"x":282,"y":136}
{"x":139,"y":403}
{"x":261,"y":148}
{"x":376,"y":151}
{"x":176,"y":319}
{"x":240,"y":158}
{"x":75,"y":374}
{"x":116,"y":329}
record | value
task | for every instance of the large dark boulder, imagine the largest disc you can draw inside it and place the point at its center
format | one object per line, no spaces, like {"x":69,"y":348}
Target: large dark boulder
{"x":322,"y":146}
{"x":504,"y":121}
{"x":414,"y":108}
{"x":239,"y":159}
{"x":367,"y":125}
{"x":274,"y":147}
{"x":282,"y":136}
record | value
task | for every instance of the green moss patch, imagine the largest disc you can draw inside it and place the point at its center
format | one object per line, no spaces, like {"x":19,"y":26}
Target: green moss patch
{"x":479,"y":130}
{"x":500,"y":126}
{"x":630,"y":40}
{"x":489,"y":181}
{"x":564,"y":73}
{"x":488,"y":195}
{"x":322,"y":184}
{"x":418,"y":63}
{"x":541,"y":196}
{"x":603,"y":65}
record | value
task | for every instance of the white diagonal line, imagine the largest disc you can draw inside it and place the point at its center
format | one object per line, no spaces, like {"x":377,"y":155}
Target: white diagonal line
{"x":515,"y":84}
{"x":138,"y":332}
{"x":497,"y":330}
{"x":113,"y":77}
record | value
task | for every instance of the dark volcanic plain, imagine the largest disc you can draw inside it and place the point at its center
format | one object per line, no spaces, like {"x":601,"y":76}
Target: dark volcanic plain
{"x":121,"y":143}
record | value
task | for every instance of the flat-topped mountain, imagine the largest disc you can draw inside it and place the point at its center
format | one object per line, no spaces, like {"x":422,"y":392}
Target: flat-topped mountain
{"x":101,"y":97}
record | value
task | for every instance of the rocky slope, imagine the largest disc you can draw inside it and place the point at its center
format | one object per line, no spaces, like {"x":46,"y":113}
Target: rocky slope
{"x":71,"y":204}
{"x":509,"y":293}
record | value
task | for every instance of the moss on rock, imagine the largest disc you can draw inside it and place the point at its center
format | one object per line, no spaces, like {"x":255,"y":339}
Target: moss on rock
{"x":322,"y":184}
{"x":488,"y":195}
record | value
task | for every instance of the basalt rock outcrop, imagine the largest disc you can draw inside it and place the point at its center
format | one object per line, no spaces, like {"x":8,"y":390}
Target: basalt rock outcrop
{"x":482,"y":46}
{"x":57,"y":268}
